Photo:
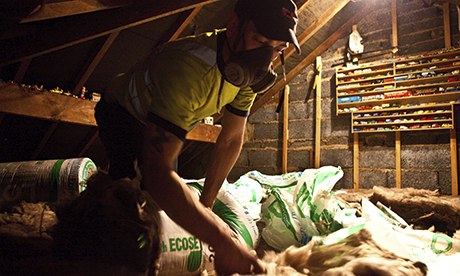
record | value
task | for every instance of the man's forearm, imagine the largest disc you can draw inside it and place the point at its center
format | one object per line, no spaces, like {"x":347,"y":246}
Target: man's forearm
{"x":175,"y":198}
{"x":160,"y":180}
{"x":222,"y":161}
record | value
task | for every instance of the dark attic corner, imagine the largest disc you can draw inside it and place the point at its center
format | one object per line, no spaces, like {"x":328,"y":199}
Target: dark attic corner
{"x":349,"y":152}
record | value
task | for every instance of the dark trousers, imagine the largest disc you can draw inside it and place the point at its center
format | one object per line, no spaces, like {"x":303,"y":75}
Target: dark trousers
{"x":122,"y":136}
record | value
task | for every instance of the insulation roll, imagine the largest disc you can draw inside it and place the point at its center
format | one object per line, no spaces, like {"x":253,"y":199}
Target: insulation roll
{"x":44,"y":180}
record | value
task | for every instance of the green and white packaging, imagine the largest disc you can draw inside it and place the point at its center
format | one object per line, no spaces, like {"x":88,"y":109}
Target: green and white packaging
{"x":184,"y":254}
{"x":299,"y":206}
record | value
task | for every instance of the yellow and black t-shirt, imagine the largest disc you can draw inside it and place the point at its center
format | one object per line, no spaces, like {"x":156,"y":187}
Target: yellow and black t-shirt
{"x":180,"y":84}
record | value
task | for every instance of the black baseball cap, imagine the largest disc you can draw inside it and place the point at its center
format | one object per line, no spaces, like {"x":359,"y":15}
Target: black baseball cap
{"x":275,"y":19}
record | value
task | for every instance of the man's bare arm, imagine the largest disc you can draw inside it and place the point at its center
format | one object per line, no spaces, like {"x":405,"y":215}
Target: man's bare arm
{"x":226,"y":152}
{"x":160,"y":150}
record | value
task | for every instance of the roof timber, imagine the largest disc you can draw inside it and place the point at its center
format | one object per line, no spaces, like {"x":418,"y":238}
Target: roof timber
{"x":315,"y":27}
{"x":72,"y":7}
{"x":179,"y":26}
{"x":172,"y":34}
{"x":66,"y":32}
{"x":94,"y":62}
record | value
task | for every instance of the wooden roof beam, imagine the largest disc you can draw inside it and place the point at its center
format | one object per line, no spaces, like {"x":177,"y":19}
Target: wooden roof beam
{"x":65,"y":32}
{"x":94,"y":62}
{"x":314,"y":28}
{"x":72,"y":7}
{"x":175,"y":31}
{"x":179,"y":26}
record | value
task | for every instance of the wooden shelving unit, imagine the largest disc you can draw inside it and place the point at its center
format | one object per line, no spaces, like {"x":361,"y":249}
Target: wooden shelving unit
{"x":413,"y":93}
{"x":427,"y":78}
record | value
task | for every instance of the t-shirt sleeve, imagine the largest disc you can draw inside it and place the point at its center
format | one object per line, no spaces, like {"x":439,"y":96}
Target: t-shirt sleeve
{"x":242,"y":103}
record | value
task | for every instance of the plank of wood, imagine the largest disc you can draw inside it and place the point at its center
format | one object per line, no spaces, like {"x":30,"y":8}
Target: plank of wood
{"x":284,"y":160}
{"x":319,"y":68}
{"x":446,"y":15}
{"x":72,"y":7}
{"x":182,"y":23}
{"x":398,"y":158}
{"x":21,"y":101}
{"x":454,"y":162}
{"x":204,"y":133}
{"x":19,"y":76}
{"x":95,"y":62}
{"x":44,"y":140}
{"x":86,"y":146}
{"x":355,"y":161}
{"x":69,"y":31}
{"x":313,"y":28}
{"x":394,"y":26}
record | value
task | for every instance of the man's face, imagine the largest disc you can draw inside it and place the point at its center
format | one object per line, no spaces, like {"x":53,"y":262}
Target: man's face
{"x":253,"y":39}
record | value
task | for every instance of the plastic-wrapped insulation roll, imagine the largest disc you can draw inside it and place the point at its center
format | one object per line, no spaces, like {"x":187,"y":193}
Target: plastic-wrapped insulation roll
{"x":44,"y":180}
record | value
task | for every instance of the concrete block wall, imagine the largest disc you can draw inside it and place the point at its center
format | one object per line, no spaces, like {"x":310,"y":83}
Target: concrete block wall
{"x":425,"y":155}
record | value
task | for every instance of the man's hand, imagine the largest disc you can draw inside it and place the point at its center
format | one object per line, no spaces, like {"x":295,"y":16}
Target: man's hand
{"x":235,"y":258}
{"x":232,"y":256}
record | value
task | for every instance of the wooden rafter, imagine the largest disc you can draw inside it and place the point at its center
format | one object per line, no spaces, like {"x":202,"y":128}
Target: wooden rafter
{"x":73,"y":7}
{"x":188,"y":17}
{"x":66,"y":32}
{"x":315,"y":27}
{"x":302,"y":6}
{"x":51,"y":129}
{"x":178,"y":26}
{"x":22,"y":70}
{"x":94,"y":134}
{"x":94,"y":62}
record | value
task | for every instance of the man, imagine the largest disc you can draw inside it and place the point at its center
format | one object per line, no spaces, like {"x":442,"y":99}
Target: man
{"x":146,"y":113}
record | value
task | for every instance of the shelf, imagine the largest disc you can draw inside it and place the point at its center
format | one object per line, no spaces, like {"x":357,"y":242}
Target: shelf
{"x":431,"y":64}
{"x":444,"y":85}
{"x":399,"y":115}
{"x":424,"y":83}
{"x":403,"y":108}
{"x":374,"y":105}
{"x":22,"y":101}
{"x":427,"y":117}
{"x":429,"y":55}
{"x":393,"y":130}
{"x":433,"y":78}
{"x":436,"y":79}
{"x":368,"y":66}
{"x":398,"y":72}
{"x":18,"y":100}
{"x":382,"y":72}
